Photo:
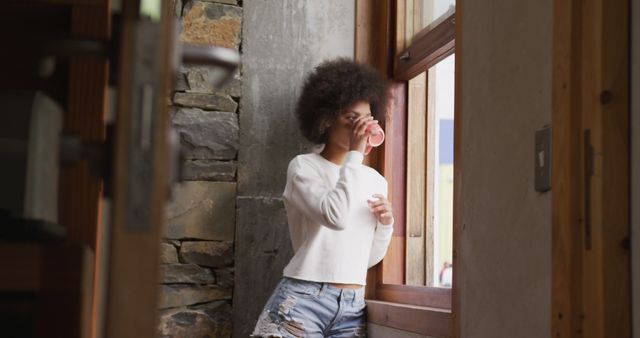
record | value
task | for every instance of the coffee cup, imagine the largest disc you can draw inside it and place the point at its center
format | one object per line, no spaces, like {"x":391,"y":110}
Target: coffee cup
{"x":376,"y":137}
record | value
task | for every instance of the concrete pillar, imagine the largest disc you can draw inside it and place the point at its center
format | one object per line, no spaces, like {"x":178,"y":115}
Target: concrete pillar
{"x":282,"y":40}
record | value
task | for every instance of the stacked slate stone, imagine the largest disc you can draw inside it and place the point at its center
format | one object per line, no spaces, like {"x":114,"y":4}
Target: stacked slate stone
{"x":197,"y":253}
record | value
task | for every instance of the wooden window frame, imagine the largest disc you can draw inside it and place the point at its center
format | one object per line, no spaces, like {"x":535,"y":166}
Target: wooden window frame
{"x":428,"y":47}
{"x":378,"y":42}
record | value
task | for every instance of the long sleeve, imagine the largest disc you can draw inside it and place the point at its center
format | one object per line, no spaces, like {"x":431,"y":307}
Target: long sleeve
{"x":315,"y":199}
{"x":381,"y":240}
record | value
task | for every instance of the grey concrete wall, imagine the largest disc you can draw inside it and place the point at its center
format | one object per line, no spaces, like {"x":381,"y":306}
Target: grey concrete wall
{"x":505,"y":266}
{"x":282,"y":40}
{"x":635,"y":166}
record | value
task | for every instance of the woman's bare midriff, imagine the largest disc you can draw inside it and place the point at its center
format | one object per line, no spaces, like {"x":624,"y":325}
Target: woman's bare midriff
{"x":346,"y":286}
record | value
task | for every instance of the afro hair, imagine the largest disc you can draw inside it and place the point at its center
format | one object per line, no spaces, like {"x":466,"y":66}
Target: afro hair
{"x":334,"y":86}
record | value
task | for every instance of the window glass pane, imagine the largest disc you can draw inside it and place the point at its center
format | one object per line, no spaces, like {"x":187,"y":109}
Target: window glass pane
{"x":429,"y":200}
{"x":425,"y":13}
{"x":440,"y":104}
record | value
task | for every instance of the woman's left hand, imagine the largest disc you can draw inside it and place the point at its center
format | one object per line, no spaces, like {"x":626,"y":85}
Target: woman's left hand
{"x":382,"y":209}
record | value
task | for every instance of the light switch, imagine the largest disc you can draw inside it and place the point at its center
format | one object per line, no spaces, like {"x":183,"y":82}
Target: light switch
{"x":542,"y":159}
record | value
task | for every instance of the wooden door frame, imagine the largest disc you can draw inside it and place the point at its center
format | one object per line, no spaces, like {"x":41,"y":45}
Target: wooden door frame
{"x":134,"y":250}
{"x":590,"y":170}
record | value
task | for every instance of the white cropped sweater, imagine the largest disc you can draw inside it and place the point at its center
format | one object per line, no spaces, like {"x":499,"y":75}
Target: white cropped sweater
{"x":334,"y":234}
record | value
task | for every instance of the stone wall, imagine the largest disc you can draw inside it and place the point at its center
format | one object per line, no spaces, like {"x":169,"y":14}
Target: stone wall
{"x":198,"y":248}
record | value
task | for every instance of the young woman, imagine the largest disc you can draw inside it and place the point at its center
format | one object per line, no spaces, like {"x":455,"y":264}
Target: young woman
{"x":340,"y":220}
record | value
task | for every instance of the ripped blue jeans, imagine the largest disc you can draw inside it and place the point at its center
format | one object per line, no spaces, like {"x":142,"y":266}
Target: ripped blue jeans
{"x":299,"y":308}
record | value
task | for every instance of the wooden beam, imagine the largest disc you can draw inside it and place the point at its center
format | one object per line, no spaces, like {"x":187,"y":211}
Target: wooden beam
{"x":426,"y":50}
{"x":416,"y":295}
{"x":426,"y":321}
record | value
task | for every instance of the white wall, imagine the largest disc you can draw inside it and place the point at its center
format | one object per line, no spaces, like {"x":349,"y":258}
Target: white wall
{"x":505,"y":241}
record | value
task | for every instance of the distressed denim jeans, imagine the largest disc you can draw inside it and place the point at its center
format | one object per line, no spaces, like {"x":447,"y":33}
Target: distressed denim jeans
{"x":299,"y":308}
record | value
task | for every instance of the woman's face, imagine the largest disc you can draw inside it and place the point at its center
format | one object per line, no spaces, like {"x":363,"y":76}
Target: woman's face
{"x":339,"y":133}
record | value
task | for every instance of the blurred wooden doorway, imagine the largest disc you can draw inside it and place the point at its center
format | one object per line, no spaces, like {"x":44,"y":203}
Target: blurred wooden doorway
{"x":103,"y":62}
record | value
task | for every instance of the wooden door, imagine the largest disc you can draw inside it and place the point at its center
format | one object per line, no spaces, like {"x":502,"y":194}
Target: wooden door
{"x":140,"y":173}
{"x":590,"y":170}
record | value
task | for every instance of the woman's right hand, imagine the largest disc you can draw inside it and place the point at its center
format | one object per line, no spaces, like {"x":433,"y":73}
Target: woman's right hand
{"x":359,"y":133}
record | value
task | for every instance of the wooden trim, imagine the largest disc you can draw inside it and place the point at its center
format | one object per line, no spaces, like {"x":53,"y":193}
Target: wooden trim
{"x":392,"y":267}
{"x":137,"y":275}
{"x":566,"y":174}
{"x":605,"y":89}
{"x":422,"y":320}
{"x":400,"y":23}
{"x":372,"y":44}
{"x":416,"y":181}
{"x":426,"y":50}
{"x":372,"y":40}
{"x":457,"y":173}
{"x":430,"y":165}
{"x":372,"y":48}
{"x":415,"y":295}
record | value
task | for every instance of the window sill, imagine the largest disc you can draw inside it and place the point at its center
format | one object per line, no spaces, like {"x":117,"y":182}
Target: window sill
{"x":422,"y":320}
